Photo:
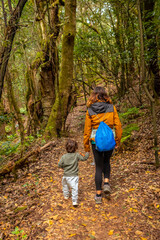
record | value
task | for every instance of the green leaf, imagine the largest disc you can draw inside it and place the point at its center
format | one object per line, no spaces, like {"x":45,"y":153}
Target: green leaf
{"x":24,"y":236}
{"x":91,"y":236}
{"x":16,"y":231}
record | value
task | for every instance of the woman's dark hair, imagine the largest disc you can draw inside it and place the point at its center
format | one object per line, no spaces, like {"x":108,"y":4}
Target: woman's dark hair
{"x":71,"y":146}
{"x":99,"y":93}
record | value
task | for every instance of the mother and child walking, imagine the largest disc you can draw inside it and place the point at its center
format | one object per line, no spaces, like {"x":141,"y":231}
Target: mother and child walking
{"x":100,"y":109}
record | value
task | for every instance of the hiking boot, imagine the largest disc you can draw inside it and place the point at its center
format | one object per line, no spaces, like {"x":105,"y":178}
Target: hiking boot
{"x":98,"y":200}
{"x":108,"y":196}
{"x":107,"y":189}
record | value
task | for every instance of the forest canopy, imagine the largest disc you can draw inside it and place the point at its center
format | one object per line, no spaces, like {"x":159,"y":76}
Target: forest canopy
{"x":53,"y":52}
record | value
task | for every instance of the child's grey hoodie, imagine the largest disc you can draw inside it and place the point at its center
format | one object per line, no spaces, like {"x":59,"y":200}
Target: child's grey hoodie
{"x":69,"y":163}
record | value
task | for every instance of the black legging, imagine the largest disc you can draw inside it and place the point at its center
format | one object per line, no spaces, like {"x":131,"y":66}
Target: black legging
{"x":102,"y":161}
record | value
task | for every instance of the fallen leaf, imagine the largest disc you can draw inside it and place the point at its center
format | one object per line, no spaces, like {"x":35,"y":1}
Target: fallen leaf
{"x":113,"y":217}
{"x":138,"y":232}
{"x":110,"y":232}
{"x":55,"y":217}
{"x":61,"y":220}
{"x":73,"y":234}
{"x":50,"y":222}
{"x":131,"y":189}
{"x":84,"y":224}
{"x":135,"y":210}
{"x":93,"y":233}
{"x":91,"y":236}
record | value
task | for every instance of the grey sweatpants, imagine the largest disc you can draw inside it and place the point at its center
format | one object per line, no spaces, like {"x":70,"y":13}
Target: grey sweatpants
{"x":70,"y":183}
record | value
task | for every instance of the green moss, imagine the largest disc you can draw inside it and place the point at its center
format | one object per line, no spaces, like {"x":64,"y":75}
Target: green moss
{"x":46,"y":65}
{"x":51,"y":125}
{"x":39,"y":58}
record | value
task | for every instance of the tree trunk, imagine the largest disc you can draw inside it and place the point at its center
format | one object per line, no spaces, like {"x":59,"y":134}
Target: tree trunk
{"x":118,"y":36}
{"x":2,"y":122}
{"x":120,"y":46}
{"x":142,"y":60}
{"x":152,"y":48}
{"x":142,"y":78}
{"x":4,"y":13}
{"x":64,"y":96}
{"x":130,"y":34}
{"x":153,"y":112}
{"x":47,"y":64}
{"x":15,"y":106}
{"x":10,"y":32}
{"x":33,"y":103}
{"x":41,"y":92}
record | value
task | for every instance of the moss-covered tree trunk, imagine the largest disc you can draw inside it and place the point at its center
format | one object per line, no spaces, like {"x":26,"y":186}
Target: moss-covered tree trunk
{"x":10,"y":32}
{"x":40,"y":101}
{"x":64,"y":96}
{"x":2,"y":122}
{"x":14,"y":104}
{"x":49,"y":65}
{"x":33,"y":103}
{"x":152,"y":33}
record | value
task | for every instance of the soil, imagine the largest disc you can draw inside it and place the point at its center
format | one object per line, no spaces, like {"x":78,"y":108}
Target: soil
{"x":33,"y":207}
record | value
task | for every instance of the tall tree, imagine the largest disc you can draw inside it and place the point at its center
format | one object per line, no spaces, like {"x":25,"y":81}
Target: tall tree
{"x":151,"y":31}
{"x":64,"y":95}
{"x":10,"y":32}
{"x":39,"y":103}
{"x":14,"y":104}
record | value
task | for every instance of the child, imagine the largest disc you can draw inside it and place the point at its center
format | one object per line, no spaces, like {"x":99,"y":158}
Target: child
{"x":69,"y":163}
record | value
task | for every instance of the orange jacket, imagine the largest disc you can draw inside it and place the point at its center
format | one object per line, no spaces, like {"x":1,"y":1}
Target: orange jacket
{"x":92,"y":121}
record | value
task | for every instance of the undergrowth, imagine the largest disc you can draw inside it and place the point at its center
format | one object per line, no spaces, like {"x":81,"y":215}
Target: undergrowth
{"x":127,"y":118}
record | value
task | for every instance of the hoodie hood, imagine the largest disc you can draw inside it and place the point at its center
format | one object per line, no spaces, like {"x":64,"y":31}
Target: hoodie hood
{"x":100,"y":107}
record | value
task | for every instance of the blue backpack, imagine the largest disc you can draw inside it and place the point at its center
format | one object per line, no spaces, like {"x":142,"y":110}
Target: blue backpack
{"x":104,"y":138}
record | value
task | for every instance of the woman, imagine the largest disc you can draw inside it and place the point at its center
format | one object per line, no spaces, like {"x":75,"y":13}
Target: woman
{"x":100,"y":108}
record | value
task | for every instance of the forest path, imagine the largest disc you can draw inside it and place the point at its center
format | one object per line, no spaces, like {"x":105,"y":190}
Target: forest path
{"x":35,"y":203}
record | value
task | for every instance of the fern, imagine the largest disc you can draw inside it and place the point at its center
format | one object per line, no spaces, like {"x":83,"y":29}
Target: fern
{"x":131,"y":113}
{"x":127,"y":131}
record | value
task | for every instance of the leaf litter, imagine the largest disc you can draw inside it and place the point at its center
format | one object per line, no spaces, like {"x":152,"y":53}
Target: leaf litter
{"x":33,"y":207}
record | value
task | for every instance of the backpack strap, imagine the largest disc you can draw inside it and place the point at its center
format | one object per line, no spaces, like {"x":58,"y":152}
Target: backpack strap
{"x":99,"y":118}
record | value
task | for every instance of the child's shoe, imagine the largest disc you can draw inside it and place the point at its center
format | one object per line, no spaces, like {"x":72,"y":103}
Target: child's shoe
{"x":66,"y":197}
{"x":75,"y":204}
{"x":98,"y":200}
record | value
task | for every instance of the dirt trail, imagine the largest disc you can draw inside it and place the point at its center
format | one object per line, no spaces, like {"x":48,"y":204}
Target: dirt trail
{"x":35,"y":204}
